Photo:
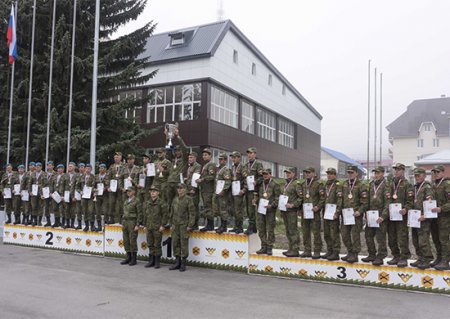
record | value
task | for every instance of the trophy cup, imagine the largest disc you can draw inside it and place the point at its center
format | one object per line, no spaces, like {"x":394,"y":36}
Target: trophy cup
{"x":169,"y":130}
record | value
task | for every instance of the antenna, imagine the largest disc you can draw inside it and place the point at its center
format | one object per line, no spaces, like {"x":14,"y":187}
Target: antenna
{"x":220,"y":11}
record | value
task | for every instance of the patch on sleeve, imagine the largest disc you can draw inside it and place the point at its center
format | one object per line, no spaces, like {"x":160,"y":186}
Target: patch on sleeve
{"x":339,"y":194}
{"x":410,"y":194}
{"x":364,"y":194}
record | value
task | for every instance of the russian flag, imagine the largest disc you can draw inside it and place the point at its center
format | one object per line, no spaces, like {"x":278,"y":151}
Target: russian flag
{"x":11,"y":36}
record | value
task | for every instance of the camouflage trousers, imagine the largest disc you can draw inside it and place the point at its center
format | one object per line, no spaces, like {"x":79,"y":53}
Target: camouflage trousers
{"x":8,"y":205}
{"x":49,"y":207}
{"x":129,"y":235}
{"x":379,"y":233}
{"x":351,"y":235}
{"x":70,"y":210}
{"x":398,"y":239}
{"x":221,"y":206}
{"x":312,"y":226}
{"x":101,"y":206}
{"x":37,"y":206}
{"x":238,"y":212}
{"x":440,"y":231}
{"x":17,"y":207}
{"x":195,"y":199}
{"x":154,"y":239}
{"x":171,"y":193}
{"x":331,"y":234}
{"x":87,"y":209}
{"x":266,"y":228}
{"x":251,"y":209}
{"x":207,"y":199}
{"x":421,"y":241}
{"x":115,"y":211}
{"x":180,"y":240}
{"x":290,"y":220}
{"x":58,"y":210}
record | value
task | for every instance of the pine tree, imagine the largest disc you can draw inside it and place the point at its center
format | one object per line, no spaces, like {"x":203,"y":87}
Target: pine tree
{"x":120,"y":73}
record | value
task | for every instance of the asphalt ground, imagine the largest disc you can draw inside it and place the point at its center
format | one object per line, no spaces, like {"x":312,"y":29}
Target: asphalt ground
{"x":40,"y":283}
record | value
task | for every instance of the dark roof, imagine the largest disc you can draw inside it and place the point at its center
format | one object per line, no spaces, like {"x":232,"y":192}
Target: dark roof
{"x":419,"y":111}
{"x":202,"y":41}
{"x":342,"y":157}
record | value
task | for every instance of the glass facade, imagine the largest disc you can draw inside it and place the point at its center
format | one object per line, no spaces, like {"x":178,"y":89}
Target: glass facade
{"x":247,"y":117}
{"x":286,"y":133}
{"x":224,"y":107}
{"x":266,"y":124}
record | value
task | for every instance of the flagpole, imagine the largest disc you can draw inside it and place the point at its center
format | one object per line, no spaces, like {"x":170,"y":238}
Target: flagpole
{"x":30,"y":86}
{"x":375,"y":120}
{"x":50,"y":82}
{"x":368,"y":124}
{"x":94,"y":86}
{"x":381,"y":116}
{"x":69,"y":124}
{"x":12,"y":97}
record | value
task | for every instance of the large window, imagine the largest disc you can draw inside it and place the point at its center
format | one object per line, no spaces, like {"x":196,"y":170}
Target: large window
{"x":133,"y":112}
{"x":248,"y":117}
{"x":265,"y":124}
{"x":224,"y":107}
{"x":174,"y":103}
{"x":286,"y":133}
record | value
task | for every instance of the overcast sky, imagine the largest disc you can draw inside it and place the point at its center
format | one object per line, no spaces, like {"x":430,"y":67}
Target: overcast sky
{"x":323,"y":46}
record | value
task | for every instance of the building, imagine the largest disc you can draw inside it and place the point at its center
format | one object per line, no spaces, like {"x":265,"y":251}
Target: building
{"x":339,"y":161}
{"x":439,"y":158}
{"x":226,"y":95}
{"x":420,"y":131}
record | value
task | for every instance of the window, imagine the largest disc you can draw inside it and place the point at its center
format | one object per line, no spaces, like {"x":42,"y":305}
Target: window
{"x":267,"y":164}
{"x":283,"y":90}
{"x":420,"y":142}
{"x":427,"y":127}
{"x":253,"y":69}
{"x":174,"y":103}
{"x":435,"y":142}
{"x":266,"y":124}
{"x":247,"y":117}
{"x":235,"y":56}
{"x":176,"y":39}
{"x":269,"y":80}
{"x":281,"y":173}
{"x":130,"y":100}
{"x":224,"y":107}
{"x":286,"y":133}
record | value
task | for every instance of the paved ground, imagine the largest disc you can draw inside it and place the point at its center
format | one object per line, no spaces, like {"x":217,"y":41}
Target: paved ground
{"x":40,"y":283}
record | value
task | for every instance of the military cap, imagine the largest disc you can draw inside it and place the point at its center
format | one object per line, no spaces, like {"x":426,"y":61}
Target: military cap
{"x":153,"y":188}
{"x":331,"y":170}
{"x":32,"y":164}
{"x":161,"y":150}
{"x":438,"y":168}
{"x":38,"y":164}
{"x":309,"y":169}
{"x":181,"y":185}
{"x":130,"y":156}
{"x":21,"y":166}
{"x":193,"y":154}
{"x":102,"y":165}
{"x":207,"y":150}
{"x":72,"y":163}
{"x":398,"y":166}
{"x":251,"y":150}
{"x":267,"y":171}
{"x":146,"y":155}
{"x":50,"y":162}
{"x":352,"y":168}
{"x":236,"y":154}
{"x":81,"y":165}
{"x":289,"y":170}
{"x":378,"y":169}
{"x":88,"y":165}
{"x":419,"y":170}
{"x":60,"y":166}
{"x":118,"y":153}
{"x":223,"y":156}
{"x":131,"y":189}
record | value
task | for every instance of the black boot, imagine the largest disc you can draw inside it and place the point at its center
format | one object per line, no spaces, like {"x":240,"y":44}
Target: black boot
{"x":251,"y":229}
{"x":48,"y":223}
{"x":72,"y":223}
{"x":209,"y":226}
{"x":63,"y":223}
{"x":56,"y":224}
{"x":33,"y":220}
{"x":151,"y":261}
{"x":8,"y":221}
{"x":127,"y":260}
{"x":157,"y":261}
{"x":67,"y":225}
{"x":238,"y":228}
{"x":25,"y":220}
{"x":223,"y":228}
{"x":93,"y":226}
{"x":183,"y":264}
{"x":16,"y":219}
{"x":39,"y":221}
{"x":99,"y":225}
{"x":133,"y":259}
{"x":177,"y":264}
{"x":79,"y":224}
{"x":86,"y":226}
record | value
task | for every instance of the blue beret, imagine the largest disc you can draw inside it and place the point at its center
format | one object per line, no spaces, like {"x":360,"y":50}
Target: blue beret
{"x":72,"y":163}
{"x":38,"y":164}
{"x":60,"y":166}
{"x":88,"y":165}
{"x":50,"y":162}
{"x":21,"y":166}
{"x":81,"y":165}
{"x":32,"y":164}
{"x":102,"y":165}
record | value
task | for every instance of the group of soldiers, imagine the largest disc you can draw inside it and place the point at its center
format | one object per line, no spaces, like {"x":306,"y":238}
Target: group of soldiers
{"x":181,"y":194}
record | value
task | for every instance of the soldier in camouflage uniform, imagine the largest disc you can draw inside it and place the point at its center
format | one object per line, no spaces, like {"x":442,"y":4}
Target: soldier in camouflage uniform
{"x":101,"y":199}
{"x":420,"y":192}
{"x":237,"y":171}
{"x":252,"y":168}
{"x":398,"y":233}
{"x":354,"y":196}
{"x":7,"y":185}
{"x":163,"y":169}
{"x":18,"y":204}
{"x":378,"y":196}
{"x":69,"y":184}
{"x":206,"y":183}
{"x":156,"y":213}
{"x":312,"y":192}
{"x":292,"y":189}
{"x":440,"y":227}
{"x":221,"y":199}
{"x":182,"y":219}
{"x":38,"y":178}
{"x":49,"y":206}
{"x":193,"y":192}
{"x":179,"y":165}
{"x":79,"y":208}
{"x":331,"y":231}
{"x":24,"y":189}
{"x":115,"y":198}
{"x":58,"y":187}
{"x":270,"y":191}
{"x":130,"y":175}
{"x":143,"y":191}
{"x":87,"y":204}
{"x":131,"y":219}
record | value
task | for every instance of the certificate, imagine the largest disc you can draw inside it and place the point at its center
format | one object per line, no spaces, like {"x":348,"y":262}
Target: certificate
{"x":262,"y":206}
{"x":394,"y":212}
{"x":56,"y":197}
{"x":428,"y":205}
{"x":413,"y":218}
{"x":16,"y":189}
{"x":330,"y":211}
{"x":127,"y":183}
{"x":181,"y":178}
{"x":307,"y":211}
{"x":25,"y":195}
{"x":195,"y":176}
{"x":7,"y":193}
{"x":282,"y":201}
{"x":142,"y":180}
{"x":219,"y":186}
{"x":113,"y":185}
{"x":77,"y":195}
{"x":66,"y":196}
{"x":100,"y":189}
{"x":236,"y":188}
{"x":151,"y":169}
{"x":87,"y":192}
{"x":46,"y":192}
{"x":372,"y":217}
{"x":34,"y":189}
{"x":251,"y":182}
{"x":347,"y":214}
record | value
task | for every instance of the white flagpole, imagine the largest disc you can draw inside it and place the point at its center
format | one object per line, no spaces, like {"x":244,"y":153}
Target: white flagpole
{"x":27,"y":150}
{"x":69,"y":124}
{"x":12,"y":96}
{"x":94,"y":86}
{"x":368,"y":125}
{"x":50,"y":82}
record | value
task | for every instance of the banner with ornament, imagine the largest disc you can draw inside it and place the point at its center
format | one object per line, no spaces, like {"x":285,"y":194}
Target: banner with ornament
{"x":359,"y":273}
{"x":54,"y":238}
{"x":225,"y":251}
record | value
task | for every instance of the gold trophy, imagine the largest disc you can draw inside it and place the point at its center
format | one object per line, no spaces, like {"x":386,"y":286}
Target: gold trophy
{"x":169,"y":131}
